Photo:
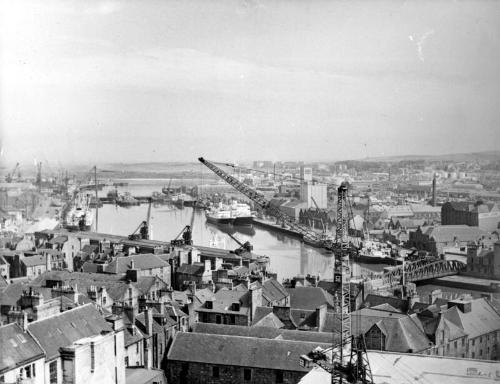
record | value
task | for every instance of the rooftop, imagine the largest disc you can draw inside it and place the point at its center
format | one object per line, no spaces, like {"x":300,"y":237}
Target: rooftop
{"x":18,"y":347}
{"x":240,"y":351}
{"x":65,"y":328}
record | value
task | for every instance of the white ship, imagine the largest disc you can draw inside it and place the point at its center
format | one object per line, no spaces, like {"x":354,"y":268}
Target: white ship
{"x":79,"y":217}
{"x":238,"y":214}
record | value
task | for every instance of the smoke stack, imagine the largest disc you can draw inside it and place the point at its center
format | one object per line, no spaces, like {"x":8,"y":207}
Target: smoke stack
{"x":434,"y":191}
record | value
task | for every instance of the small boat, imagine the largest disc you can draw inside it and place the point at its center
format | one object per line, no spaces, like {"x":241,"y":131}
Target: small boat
{"x":126,"y":200}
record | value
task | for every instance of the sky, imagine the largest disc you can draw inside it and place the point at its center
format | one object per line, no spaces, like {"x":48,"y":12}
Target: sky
{"x":140,"y":81}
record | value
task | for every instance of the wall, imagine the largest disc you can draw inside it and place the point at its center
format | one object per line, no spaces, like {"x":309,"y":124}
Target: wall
{"x":37,"y":374}
{"x":211,"y":317}
{"x":135,"y":354}
{"x":203,"y":373}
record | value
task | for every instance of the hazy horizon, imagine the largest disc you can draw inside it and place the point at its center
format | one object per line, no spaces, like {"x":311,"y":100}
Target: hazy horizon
{"x":169,"y":81}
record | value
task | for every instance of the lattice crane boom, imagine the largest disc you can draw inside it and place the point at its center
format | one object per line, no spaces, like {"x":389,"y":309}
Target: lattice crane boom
{"x":259,"y":199}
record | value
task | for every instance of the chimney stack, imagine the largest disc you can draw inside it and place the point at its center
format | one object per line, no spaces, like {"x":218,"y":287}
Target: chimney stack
{"x":434,"y":191}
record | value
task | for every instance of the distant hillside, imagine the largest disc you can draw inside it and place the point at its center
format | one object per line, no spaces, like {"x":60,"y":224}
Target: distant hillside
{"x":454,"y":157}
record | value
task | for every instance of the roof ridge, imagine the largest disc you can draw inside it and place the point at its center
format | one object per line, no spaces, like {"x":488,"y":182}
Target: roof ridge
{"x":59,"y":314}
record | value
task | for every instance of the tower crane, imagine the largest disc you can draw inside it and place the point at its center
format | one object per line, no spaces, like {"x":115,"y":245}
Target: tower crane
{"x":347,"y":362}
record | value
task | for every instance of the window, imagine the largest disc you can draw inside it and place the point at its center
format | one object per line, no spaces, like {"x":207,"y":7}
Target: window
{"x":28,"y":370}
{"x":473,"y":355}
{"x":247,"y":374}
{"x":463,"y":342}
{"x":33,"y":369}
{"x":455,"y":344}
{"x":53,"y":372}
{"x":481,"y":339}
{"x":92,"y":356}
{"x":279,"y":376}
{"x":473,"y":342}
{"x":480,"y":353}
{"x":137,"y":348}
{"x":126,"y":361}
{"x":215,"y":372}
{"x":104,"y":300}
{"x":218,"y":319}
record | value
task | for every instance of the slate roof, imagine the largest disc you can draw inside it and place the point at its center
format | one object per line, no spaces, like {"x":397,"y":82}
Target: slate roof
{"x":448,"y":233}
{"x":240,"y":351}
{"x":263,"y":332}
{"x":204,"y":294}
{"x":141,"y":261}
{"x":114,"y":284}
{"x":58,"y":240}
{"x":363,"y":319}
{"x":269,"y":320}
{"x":482,"y":318}
{"x":196,"y":269}
{"x":273,"y":291}
{"x":224,"y":299}
{"x":18,"y":347}
{"x":12,"y":293}
{"x":309,"y":298}
{"x":403,"y":335}
{"x":67,"y":327}
{"x":35,"y":260}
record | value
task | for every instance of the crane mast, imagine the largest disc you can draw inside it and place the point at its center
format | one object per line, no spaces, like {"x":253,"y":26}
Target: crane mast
{"x":342,"y":275}
{"x":347,"y":362}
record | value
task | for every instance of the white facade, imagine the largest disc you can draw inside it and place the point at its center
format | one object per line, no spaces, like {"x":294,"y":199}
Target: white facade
{"x":318,"y":192}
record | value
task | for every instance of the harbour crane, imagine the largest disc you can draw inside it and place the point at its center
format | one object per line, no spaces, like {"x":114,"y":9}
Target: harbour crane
{"x":10,"y":176}
{"x":309,"y":236}
{"x":186,"y":233}
{"x":347,"y":361}
{"x":142,"y":232}
{"x":244,"y":247}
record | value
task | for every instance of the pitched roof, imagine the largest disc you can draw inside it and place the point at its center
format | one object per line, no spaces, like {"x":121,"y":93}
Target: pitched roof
{"x":196,"y":269}
{"x":67,"y":327}
{"x":448,"y":233}
{"x":240,"y":351}
{"x":482,"y":318}
{"x":403,"y":335}
{"x":18,"y":347}
{"x":35,"y":260}
{"x":223,"y":300}
{"x":309,"y":298}
{"x":269,"y":320}
{"x":263,"y":332}
{"x":141,"y":261}
{"x":273,"y":291}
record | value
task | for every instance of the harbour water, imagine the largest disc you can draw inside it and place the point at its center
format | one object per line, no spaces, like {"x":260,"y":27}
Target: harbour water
{"x":289,"y":256}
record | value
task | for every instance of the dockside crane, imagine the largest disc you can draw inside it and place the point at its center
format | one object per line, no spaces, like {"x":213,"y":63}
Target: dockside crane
{"x":186,"y":233}
{"x":10,"y":176}
{"x":143,"y":231}
{"x":307,"y":234}
{"x":347,"y":361}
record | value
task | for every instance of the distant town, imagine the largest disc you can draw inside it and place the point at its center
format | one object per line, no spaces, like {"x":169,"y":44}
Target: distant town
{"x":404,"y":286}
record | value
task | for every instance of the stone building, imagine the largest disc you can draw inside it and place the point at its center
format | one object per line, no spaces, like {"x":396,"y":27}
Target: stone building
{"x":236,"y":306}
{"x":483,"y":215}
{"x":435,"y":239}
{"x":483,"y":263}
{"x":212,"y":358}
{"x":80,"y":347}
